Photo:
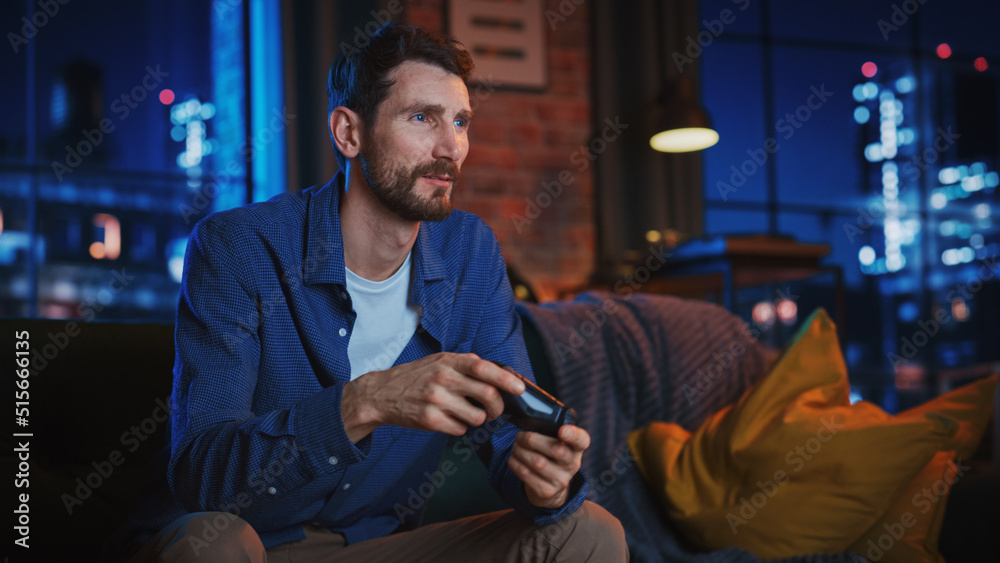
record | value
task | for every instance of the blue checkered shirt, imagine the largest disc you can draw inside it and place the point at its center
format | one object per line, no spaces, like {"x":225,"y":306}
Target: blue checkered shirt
{"x":262,"y":332}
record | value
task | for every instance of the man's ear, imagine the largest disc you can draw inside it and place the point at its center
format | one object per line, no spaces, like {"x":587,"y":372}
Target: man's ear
{"x":345,"y":127}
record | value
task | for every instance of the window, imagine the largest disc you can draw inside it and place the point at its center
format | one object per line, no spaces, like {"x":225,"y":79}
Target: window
{"x":128,"y":123}
{"x":886,"y":126}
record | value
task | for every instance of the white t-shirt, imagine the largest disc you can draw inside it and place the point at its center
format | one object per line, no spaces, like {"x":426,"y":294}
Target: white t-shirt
{"x":385,"y":322}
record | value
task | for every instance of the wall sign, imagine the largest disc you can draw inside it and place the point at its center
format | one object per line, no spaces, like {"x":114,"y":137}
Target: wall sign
{"x":506,"y":39}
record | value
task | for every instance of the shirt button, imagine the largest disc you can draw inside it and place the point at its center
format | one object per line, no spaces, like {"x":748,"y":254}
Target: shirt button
{"x":343,"y":295}
{"x":333,"y":460}
{"x":272,"y":491}
{"x":347,"y":486}
{"x":342,"y":332}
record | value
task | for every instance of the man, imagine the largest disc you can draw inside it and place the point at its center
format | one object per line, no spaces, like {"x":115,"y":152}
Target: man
{"x":329,"y":341}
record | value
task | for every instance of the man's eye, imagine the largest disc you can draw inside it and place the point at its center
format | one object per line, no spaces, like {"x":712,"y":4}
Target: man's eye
{"x":461,"y":123}
{"x":420,"y":117}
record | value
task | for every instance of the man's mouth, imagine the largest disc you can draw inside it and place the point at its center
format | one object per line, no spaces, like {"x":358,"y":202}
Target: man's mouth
{"x":439,"y":179}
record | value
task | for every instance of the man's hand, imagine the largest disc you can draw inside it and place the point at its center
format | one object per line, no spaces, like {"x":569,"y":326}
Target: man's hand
{"x":547,"y":465}
{"x":429,"y":394}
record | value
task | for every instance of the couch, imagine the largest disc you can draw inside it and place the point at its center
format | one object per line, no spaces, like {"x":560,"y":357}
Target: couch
{"x":98,"y":408}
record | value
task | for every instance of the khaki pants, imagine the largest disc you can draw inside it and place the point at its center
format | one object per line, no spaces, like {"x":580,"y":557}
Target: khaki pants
{"x":590,"y":534}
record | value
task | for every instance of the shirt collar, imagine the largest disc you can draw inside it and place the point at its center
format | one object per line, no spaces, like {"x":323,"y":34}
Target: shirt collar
{"x":325,"y":244}
{"x":324,"y":262}
{"x":427,"y":258}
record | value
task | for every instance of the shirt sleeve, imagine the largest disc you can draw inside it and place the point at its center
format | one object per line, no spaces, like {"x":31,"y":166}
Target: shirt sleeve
{"x":223,"y":454}
{"x":499,"y":338}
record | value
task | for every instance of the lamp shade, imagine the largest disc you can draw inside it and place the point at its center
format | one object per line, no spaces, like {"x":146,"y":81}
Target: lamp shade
{"x":681,"y":125}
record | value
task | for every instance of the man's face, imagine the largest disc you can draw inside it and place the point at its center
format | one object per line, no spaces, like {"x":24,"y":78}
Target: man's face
{"x":412,"y":156}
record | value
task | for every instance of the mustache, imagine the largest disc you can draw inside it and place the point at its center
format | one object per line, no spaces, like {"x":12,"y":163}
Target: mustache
{"x":437,"y":167}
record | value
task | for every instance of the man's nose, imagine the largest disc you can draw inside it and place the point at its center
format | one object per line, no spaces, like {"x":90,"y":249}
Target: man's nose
{"x":448,"y":144}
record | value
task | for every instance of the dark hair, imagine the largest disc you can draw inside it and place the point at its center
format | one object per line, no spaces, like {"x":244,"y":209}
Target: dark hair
{"x":359,"y":80}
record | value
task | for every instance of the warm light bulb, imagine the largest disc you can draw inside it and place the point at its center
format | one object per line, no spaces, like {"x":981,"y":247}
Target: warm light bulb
{"x":684,"y":140}
{"x":97,"y":250}
{"x":521,"y":292}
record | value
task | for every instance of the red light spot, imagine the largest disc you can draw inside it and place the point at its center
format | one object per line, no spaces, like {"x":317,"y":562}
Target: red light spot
{"x":869,"y":69}
{"x":981,"y":64}
{"x":166,"y":97}
{"x":944,"y":50}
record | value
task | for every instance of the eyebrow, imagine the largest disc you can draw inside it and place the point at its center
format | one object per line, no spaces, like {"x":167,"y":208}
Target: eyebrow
{"x":434,"y":109}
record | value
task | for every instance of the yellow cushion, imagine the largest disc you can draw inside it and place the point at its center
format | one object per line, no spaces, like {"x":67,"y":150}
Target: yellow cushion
{"x":791,"y":468}
{"x":909,"y":530}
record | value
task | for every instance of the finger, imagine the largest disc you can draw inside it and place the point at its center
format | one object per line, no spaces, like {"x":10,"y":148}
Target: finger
{"x":557,"y":452}
{"x":541,"y":443}
{"x":443,"y":396}
{"x":488,"y":397}
{"x":558,"y":472}
{"x":542,"y":485}
{"x":575,"y":437}
{"x":494,"y":375}
{"x":441,"y":421}
{"x":453,"y":388}
{"x":466,"y":412}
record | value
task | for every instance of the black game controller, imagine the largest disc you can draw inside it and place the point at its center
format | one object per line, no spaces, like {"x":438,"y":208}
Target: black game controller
{"x":535,"y":410}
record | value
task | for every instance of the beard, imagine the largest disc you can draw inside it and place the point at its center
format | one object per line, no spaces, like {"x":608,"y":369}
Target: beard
{"x":396,"y":186}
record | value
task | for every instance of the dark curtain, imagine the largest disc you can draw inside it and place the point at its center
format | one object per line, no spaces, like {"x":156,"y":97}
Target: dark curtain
{"x":637,"y":188}
{"x":313,"y":34}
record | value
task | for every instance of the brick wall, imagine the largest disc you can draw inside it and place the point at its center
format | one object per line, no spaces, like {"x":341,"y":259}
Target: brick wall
{"x":522,"y":142}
